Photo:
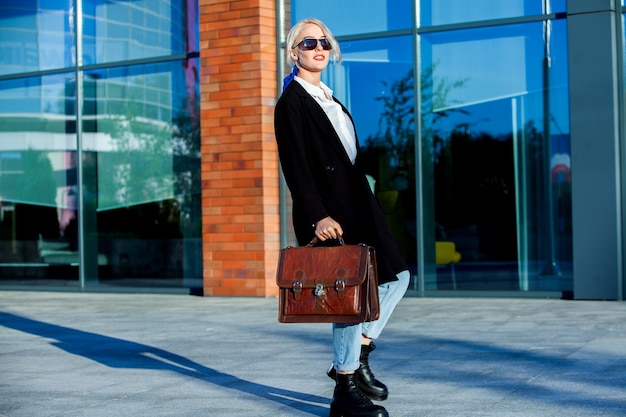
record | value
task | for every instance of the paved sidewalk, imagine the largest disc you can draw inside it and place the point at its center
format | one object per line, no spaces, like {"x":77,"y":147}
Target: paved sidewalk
{"x":86,"y":354}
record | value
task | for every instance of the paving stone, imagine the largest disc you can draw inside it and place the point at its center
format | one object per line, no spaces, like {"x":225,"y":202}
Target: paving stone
{"x":98,"y":354}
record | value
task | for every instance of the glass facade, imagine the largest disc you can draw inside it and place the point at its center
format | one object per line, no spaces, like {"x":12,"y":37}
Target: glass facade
{"x":496,"y":152}
{"x":100,"y":144}
{"x":471,"y":164}
{"x":468,"y":120}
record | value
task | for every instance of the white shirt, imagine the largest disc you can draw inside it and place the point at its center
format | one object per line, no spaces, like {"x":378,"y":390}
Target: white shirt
{"x":339,"y":119}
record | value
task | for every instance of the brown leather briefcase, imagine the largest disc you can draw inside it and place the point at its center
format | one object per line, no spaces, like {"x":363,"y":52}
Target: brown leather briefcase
{"x":324,"y":284}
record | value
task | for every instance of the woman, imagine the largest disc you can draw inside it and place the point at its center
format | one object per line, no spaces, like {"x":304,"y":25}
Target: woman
{"x":319,"y":154}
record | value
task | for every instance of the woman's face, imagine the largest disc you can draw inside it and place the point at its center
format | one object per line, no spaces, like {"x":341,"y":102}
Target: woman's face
{"x":315,"y":60}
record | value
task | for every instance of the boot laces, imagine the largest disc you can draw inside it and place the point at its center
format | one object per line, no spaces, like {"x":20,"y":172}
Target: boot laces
{"x":360,"y":396}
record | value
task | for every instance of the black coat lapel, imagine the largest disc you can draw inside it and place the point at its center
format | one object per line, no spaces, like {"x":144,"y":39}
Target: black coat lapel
{"x":318,"y":116}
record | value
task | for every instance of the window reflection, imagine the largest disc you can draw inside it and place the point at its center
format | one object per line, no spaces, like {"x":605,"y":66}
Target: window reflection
{"x":349,"y":17}
{"x":36,"y":35}
{"x":142,"y":143}
{"x":379,"y":91}
{"x":139,"y":136}
{"x":444,"y":12}
{"x":496,"y":143}
{"x":38,"y":230}
{"x":118,"y":31}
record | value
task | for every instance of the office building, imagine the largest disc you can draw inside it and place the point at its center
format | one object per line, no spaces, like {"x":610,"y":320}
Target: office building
{"x":137,"y":150}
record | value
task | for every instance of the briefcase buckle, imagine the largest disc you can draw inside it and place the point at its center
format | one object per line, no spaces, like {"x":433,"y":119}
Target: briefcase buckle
{"x":319,"y":290}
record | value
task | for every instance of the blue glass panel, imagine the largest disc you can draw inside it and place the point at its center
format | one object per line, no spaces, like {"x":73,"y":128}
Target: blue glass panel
{"x":37,"y":176}
{"x":36,"y":36}
{"x":349,"y":17}
{"x":443,"y":12}
{"x":117,"y":31}
{"x":375,"y":82}
{"x":372,"y":65}
{"x":495,"y":134}
{"x":558,"y":6}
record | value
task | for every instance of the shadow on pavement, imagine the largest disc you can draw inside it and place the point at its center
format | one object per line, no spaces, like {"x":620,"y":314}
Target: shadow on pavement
{"x":119,"y":353}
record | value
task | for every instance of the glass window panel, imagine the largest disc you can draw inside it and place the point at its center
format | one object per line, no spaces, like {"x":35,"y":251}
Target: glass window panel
{"x":372,"y":65}
{"x":117,"y":31}
{"x":443,"y":12}
{"x":375,"y":82}
{"x":349,"y":17}
{"x":38,"y":216}
{"x":35,"y":36}
{"x":495,"y":140}
{"x":143,"y":171}
{"x":558,"y":6}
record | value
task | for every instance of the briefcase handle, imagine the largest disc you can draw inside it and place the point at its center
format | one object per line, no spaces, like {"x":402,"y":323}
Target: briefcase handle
{"x":316,"y":240}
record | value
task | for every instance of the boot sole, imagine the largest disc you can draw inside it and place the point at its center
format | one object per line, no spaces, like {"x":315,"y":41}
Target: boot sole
{"x":372,"y":396}
{"x":334,"y":412}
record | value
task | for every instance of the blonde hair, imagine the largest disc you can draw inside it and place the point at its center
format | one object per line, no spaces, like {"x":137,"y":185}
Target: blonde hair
{"x":293,"y":37}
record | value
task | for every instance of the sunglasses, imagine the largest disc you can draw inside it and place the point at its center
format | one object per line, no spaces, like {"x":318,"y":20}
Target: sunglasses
{"x":308,"y":44}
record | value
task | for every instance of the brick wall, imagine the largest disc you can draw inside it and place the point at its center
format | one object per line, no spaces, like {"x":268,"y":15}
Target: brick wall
{"x":240,"y":219}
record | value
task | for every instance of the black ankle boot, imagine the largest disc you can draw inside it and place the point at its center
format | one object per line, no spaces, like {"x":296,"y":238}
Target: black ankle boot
{"x":349,"y":401}
{"x":373,"y":388}
{"x":370,"y":386}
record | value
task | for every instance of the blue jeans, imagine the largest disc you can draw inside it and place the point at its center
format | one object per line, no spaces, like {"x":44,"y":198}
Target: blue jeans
{"x":347,"y":337}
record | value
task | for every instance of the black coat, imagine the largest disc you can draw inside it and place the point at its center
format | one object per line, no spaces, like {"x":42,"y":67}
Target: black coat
{"x":323,"y":182}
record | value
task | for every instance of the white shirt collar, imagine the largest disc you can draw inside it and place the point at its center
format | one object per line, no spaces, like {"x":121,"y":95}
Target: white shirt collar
{"x":314,"y":90}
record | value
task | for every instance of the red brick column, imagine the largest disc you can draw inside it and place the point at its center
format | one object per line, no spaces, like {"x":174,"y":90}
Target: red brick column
{"x":240,"y":219}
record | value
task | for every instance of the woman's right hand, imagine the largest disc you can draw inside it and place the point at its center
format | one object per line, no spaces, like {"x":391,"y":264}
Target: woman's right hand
{"x":327,"y":228}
